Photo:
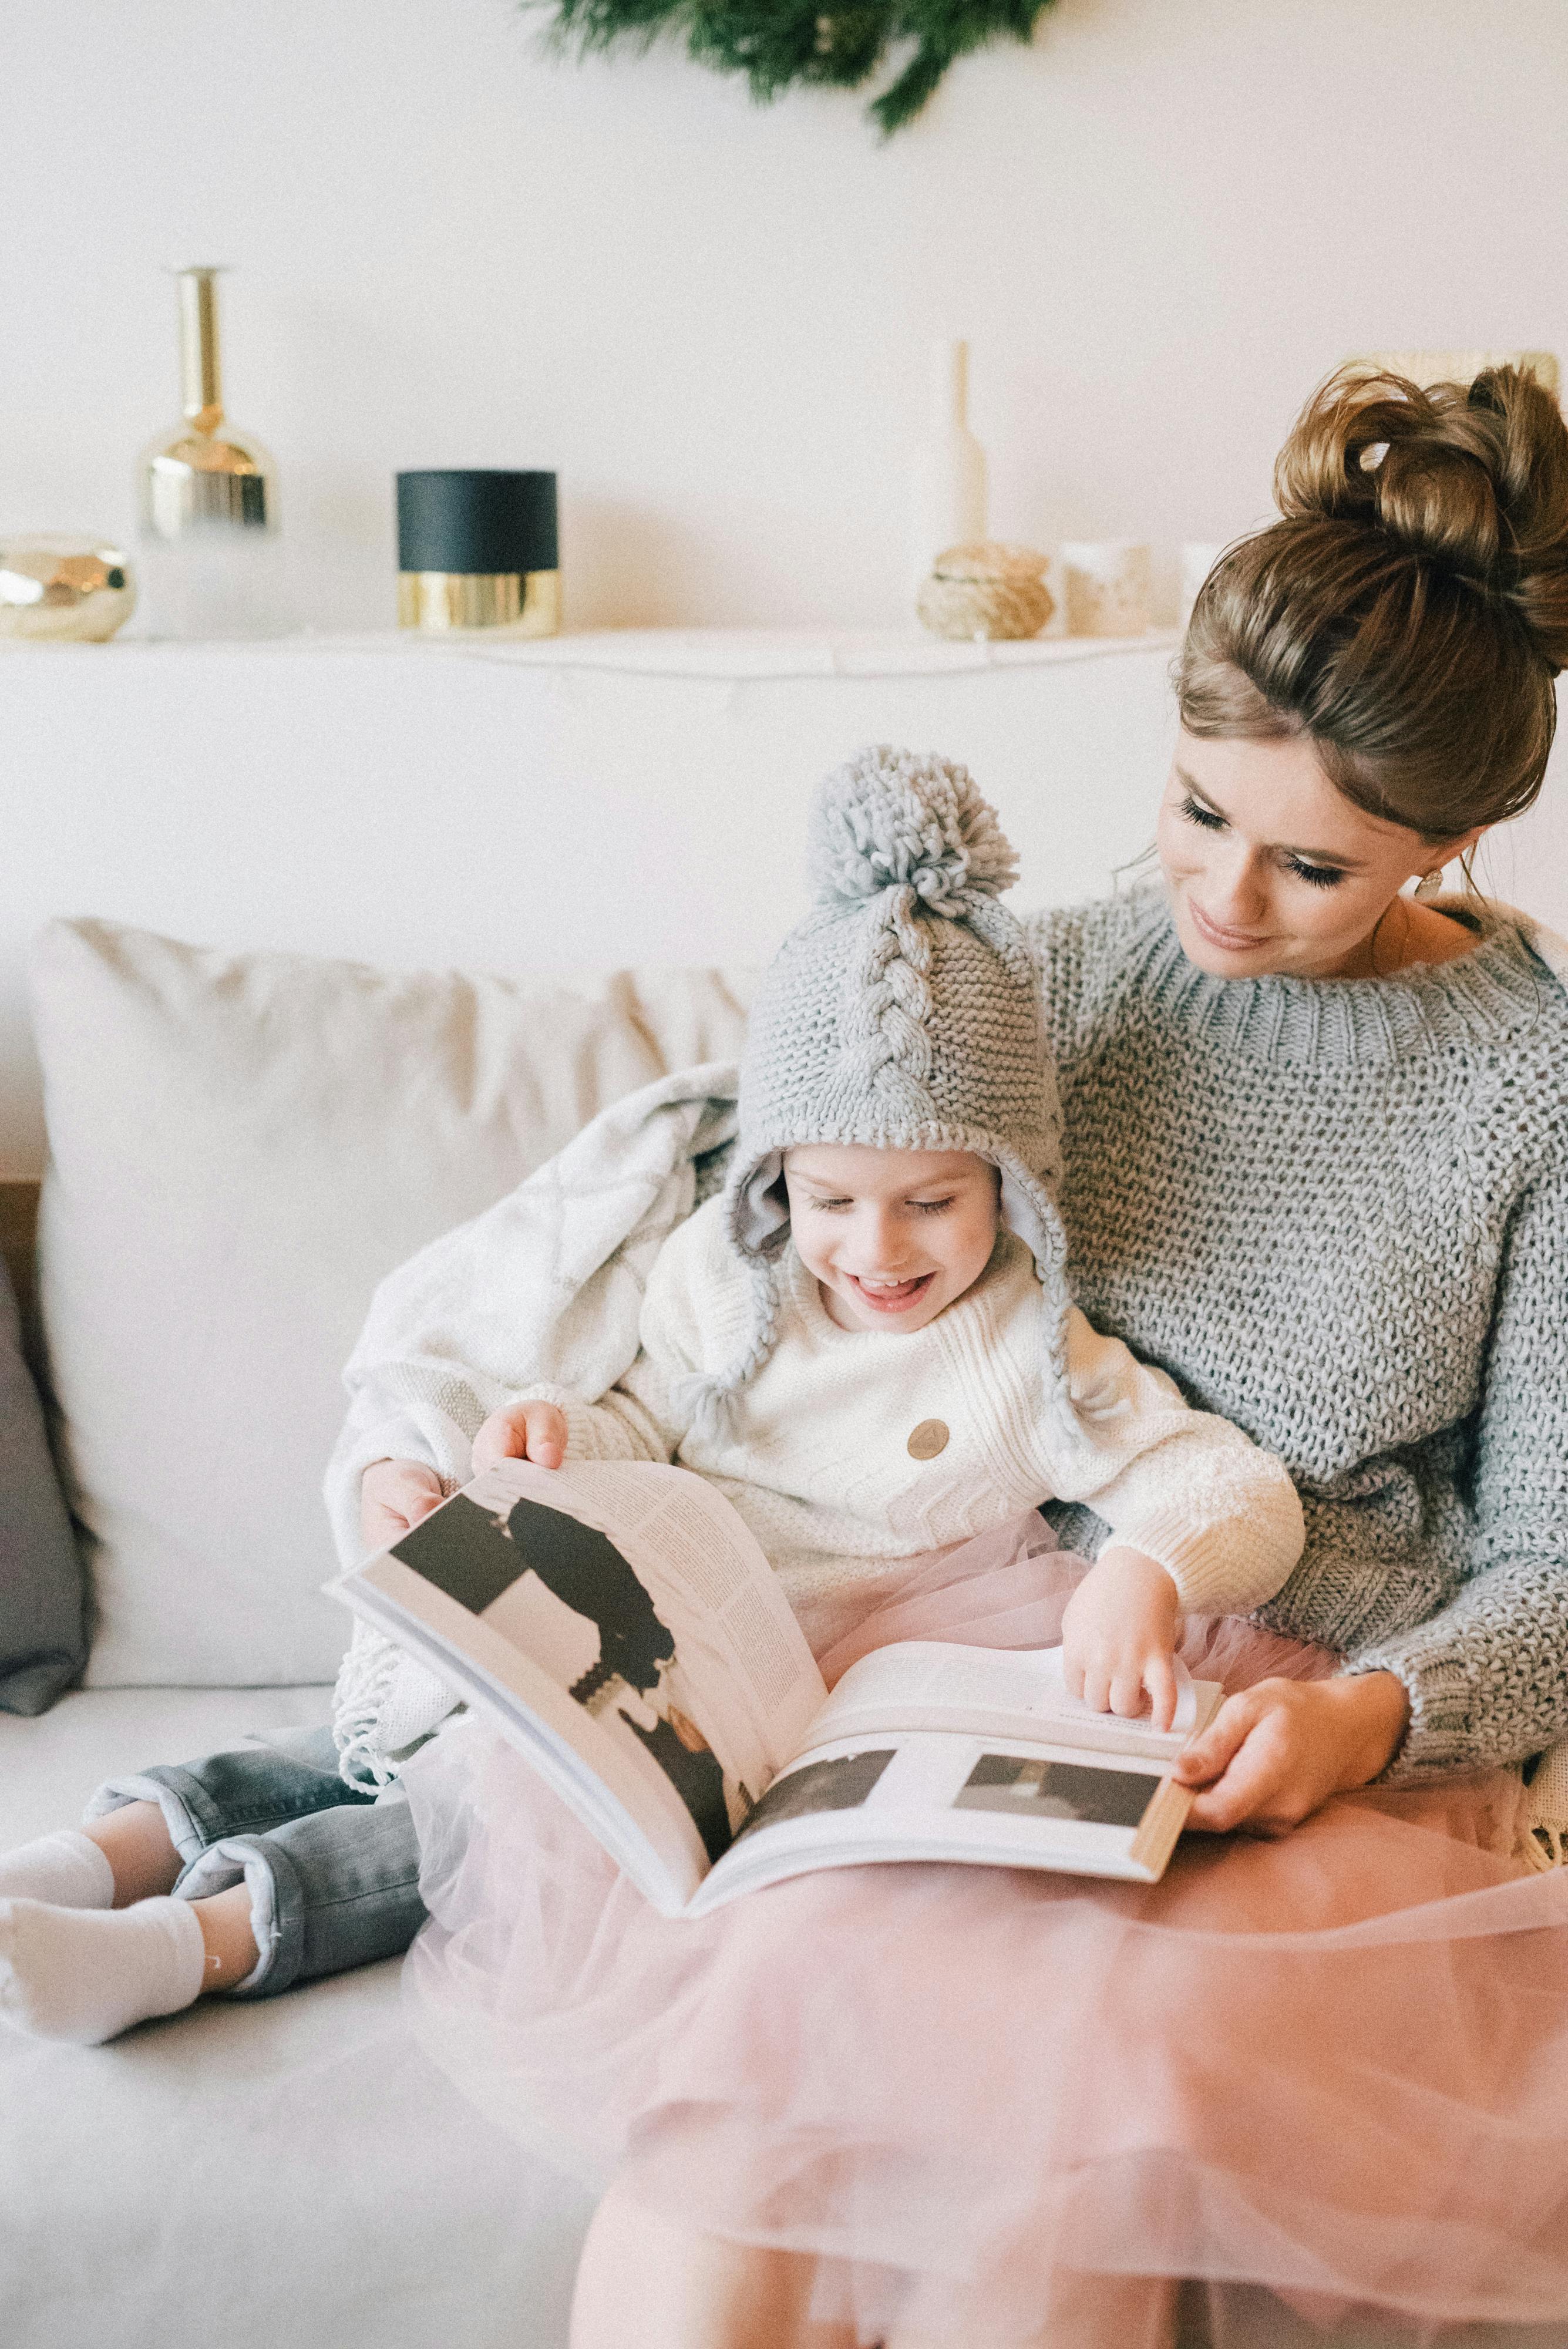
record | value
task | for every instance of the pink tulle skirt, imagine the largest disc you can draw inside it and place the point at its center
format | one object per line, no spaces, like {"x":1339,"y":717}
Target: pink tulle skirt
{"x":1322,"y":2081}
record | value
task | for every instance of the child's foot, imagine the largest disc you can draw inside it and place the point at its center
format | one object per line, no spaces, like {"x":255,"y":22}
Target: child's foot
{"x":85,"y":1975}
{"x":67,"y":1869}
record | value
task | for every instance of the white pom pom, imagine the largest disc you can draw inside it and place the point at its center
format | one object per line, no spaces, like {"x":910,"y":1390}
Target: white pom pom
{"x":894,"y":817}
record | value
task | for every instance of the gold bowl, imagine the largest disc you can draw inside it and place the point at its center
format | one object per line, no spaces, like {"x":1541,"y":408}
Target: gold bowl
{"x":64,"y":591}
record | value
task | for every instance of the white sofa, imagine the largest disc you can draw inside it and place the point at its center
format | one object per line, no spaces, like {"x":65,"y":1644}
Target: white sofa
{"x":239,"y":1148}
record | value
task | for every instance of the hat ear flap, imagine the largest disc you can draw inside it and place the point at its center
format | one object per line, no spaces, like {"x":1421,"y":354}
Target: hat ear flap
{"x":759,"y":1209}
{"x":1029,"y":1213}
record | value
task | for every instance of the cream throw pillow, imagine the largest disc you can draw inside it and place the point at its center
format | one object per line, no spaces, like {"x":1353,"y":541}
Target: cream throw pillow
{"x":241,"y":1146}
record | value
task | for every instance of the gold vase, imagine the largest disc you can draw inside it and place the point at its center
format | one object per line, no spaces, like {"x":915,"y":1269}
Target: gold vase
{"x":199,"y":478}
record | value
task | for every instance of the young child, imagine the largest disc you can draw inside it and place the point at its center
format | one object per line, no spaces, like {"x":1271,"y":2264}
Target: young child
{"x":866,"y":1340}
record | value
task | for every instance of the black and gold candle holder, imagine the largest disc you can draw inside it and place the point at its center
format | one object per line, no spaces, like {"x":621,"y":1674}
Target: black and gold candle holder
{"x":478,"y":550}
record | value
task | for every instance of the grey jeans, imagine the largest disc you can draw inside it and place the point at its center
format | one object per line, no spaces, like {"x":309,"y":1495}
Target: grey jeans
{"x":333,"y":1874}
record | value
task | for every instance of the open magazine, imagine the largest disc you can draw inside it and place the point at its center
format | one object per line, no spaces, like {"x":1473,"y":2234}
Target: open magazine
{"x":618,"y":1624}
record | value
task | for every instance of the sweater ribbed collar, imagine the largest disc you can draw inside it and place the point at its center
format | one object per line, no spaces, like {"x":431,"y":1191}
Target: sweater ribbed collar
{"x":1495,"y":992}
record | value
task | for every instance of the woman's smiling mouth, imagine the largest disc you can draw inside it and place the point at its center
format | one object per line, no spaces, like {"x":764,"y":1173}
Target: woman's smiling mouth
{"x":1231,"y":941}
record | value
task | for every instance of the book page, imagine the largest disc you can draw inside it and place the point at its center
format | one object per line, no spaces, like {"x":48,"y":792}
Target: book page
{"x":618,"y":1616}
{"x":933,"y":1684}
{"x":986,"y":1800}
{"x":743,"y":1658}
{"x":426,"y":1595}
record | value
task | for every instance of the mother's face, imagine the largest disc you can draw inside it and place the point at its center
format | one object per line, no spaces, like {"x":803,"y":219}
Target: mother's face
{"x":1270,"y":869}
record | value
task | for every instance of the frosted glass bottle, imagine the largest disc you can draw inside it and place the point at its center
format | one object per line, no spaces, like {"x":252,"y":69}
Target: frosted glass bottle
{"x":949,"y":469}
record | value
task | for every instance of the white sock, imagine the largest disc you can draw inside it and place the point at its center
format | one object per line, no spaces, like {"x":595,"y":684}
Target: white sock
{"x":87,"y":1974}
{"x":66,"y":1869}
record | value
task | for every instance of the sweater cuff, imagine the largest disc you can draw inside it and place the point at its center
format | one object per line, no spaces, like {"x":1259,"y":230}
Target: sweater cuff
{"x":592,"y":1433}
{"x":1441,"y":1731}
{"x":1227,"y":1568}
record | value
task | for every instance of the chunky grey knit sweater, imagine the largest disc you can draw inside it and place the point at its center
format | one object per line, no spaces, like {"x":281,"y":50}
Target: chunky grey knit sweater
{"x":1337,"y":1212}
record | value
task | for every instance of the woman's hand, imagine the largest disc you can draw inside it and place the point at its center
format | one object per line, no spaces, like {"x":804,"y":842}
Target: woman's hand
{"x":523,"y":1431}
{"x":393,"y":1495}
{"x":1118,"y":1637}
{"x":1275,"y":1753}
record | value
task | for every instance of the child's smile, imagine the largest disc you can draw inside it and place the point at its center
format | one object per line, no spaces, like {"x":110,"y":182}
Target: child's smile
{"x":893,"y":1236}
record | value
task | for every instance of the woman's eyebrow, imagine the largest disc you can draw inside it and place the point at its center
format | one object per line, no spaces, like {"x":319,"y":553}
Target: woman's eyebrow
{"x":1310,"y":855}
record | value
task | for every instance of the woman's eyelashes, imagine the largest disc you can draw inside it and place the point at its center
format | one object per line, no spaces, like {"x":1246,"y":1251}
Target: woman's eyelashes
{"x":1317,"y":876}
{"x":1321,"y":876}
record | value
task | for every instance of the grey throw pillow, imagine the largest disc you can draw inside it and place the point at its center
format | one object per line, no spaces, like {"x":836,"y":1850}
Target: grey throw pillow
{"x":43,"y":1637}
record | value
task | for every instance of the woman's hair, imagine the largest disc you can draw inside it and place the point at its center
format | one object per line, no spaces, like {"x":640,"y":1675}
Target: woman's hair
{"x":1409,"y":610}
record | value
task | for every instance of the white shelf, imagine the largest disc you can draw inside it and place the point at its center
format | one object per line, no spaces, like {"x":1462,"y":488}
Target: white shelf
{"x":717,"y":653}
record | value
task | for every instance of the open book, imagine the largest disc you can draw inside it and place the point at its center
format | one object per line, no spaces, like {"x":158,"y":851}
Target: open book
{"x":619,"y":1625}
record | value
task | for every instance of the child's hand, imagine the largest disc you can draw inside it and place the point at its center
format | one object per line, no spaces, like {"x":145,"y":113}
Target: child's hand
{"x":393,"y":1495}
{"x":1118,"y":1637}
{"x":523,"y":1431}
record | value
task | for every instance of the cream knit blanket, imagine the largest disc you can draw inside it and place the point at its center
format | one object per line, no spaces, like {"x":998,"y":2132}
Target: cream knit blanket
{"x":545,"y":1287}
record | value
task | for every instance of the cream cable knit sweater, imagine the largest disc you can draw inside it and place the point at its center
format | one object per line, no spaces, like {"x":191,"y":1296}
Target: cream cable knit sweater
{"x":814,"y":1453}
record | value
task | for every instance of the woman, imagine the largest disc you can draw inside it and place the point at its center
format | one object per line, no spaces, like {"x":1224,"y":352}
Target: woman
{"x":1317,"y":1167}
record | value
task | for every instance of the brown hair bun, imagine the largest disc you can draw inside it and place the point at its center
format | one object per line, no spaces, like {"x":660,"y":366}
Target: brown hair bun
{"x":1473,"y":477}
{"x":1410,"y":608}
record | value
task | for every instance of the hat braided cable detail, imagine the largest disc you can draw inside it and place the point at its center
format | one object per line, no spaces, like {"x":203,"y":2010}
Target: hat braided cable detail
{"x":887,"y":1004}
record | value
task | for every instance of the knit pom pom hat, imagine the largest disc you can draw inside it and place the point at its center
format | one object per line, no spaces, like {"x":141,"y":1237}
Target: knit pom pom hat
{"x":902,"y":1014}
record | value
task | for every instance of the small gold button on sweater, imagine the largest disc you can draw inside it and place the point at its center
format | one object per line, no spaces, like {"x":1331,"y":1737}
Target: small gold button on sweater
{"x":929,"y":1438}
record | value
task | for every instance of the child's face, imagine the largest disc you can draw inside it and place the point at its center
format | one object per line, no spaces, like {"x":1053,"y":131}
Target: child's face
{"x":893,"y":1236}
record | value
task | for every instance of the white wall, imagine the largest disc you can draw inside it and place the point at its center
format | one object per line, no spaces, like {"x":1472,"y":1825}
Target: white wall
{"x":1158,"y":227}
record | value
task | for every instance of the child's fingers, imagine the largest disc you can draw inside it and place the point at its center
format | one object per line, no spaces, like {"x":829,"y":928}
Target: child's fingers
{"x":545,"y":1434}
{"x":421,"y":1496}
{"x":1097,"y":1688}
{"x":394,"y":1495}
{"x":503,"y":1436}
{"x":1159,"y":1680}
{"x":1126,"y":1690}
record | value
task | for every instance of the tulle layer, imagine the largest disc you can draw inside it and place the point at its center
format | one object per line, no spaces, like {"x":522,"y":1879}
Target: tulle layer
{"x":1326,"y":2079}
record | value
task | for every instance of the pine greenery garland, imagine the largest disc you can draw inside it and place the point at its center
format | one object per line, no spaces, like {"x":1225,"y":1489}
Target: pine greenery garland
{"x":776,"y":42}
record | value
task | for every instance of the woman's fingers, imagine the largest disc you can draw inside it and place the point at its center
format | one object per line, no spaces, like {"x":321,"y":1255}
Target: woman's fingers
{"x":1276,"y":1752}
{"x":1262,"y":1765}
{"x":1250,"y":1792}
{"x":1208,"y":1758}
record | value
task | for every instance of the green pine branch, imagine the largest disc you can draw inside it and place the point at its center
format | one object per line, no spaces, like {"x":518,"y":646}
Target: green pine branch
{"x":777,"y":44}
